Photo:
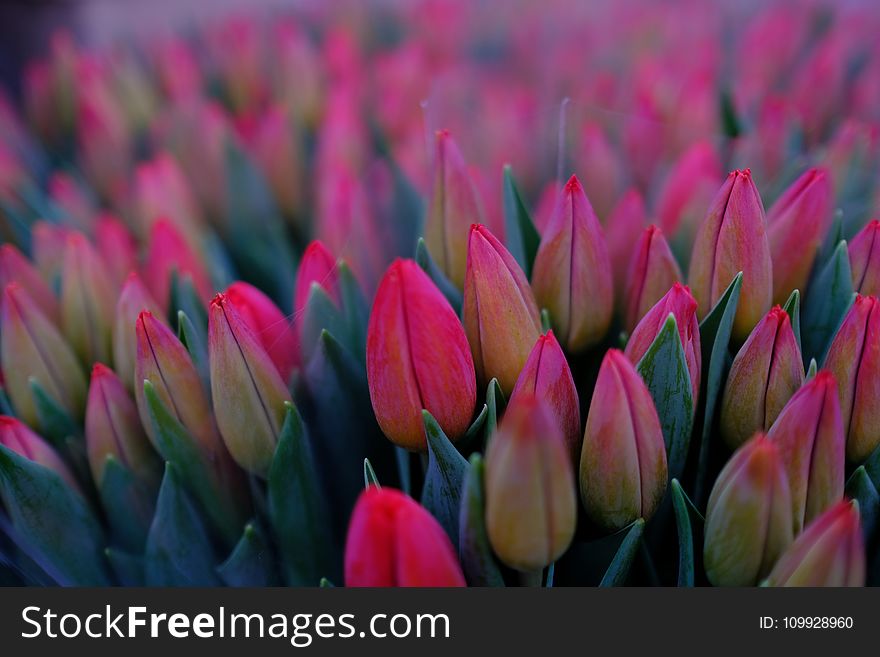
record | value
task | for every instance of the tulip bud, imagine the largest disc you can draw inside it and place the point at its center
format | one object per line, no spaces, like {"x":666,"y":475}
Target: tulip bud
{"x":765,"y":373}
{"x":15,"y":435}
{"x":733,"y":238}
{"x":87,"y":297}
{"x":500,"y":314}
{"x":864,"y":257}
{"x":247,"y":391}
{"x":117,"y":248}
{"x":417,"y":358}
{"x":77,"y":205}
{"x":748,"y":517}
{"x":854,"y":360}
{"x":15,"y":267}
{"x":601,"y":167}
{"x":681,"y":304}
{"x":689,"y":189}
{"x":113,"y":428}
{"x":49,"y":241}
{"x":276,"y":150}
{"x":796,"y":224}
{"x":31,"y":347}
{"x":133,"y":298}
{"x":317,"y":266}
{"x":652,"y":271}
{"x":169,"y":252}
{"x":455,"y":206}
{"x":623,"y":458}
{"x":393,"y":541}
{"x":162,"y":190}
{"x":270,"y":326}
{"x":531,"y":503}
{"x":830,"y":552}
{"x":811,"y":442}
{"x":626,"y":219}
{"x":572,"y":271}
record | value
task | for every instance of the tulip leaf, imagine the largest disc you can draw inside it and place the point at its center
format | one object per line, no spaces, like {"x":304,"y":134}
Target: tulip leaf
{"x":665,"y":372}
{"x":427,"y":263}
{"x":441,"y":493}
{"x":401,"y":456}
{"x":297,"y":506}
{"x":495,"y":404}
{"x":251,"y":562}
{"x":473,"y":437}
{"x":831,"y":295}
{"x":812,"y":369}
{"x":715,"y":332}
{"x":729,"y":120}
{"x":320,"y":314}
{"x":196,"y":344}
{"x":128,"y":505}
{"x":860,"y":487}
{"x":355,"y":311}
{"x":793,"y":308}
{"x":55,"y":422}
{"x":5,"y":405}
{"x":686,"y":517}
{"x":370,"y":478}
{"x":546,"y":322}
{"x":618,"y":569}
{"x":326,"y":584}
{"x":520,"y":234}
{"x":55,"y":525}
{"x":477,"y":561}
{"x":872,"y":466}
{"x":178,"y":550}
{"x":184,"y":297}
{"x":128,"y":568}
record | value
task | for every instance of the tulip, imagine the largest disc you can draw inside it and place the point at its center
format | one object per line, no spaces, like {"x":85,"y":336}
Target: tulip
{"x":748,"y":517}
{"x":87,"y":301}
{"x":679,"y":302}
{"x":764,"y":375}
{"x":572,"y":271}
{"x":76,"y":203}
{"x":161,"y":190}
{"x":49,"y":241}
{"x":277,"y":152}
{"x":547,"y":376}
{"x":623,"y":458}
{"x":113,"y":429}
{"x":601,"y":167}
{"x":733,"y":238}
{"x":15,"y":267}
{"x":417,"y":358}
{"x":133,"y":298}
{"x":455,"y":205}
{"x":500,"y":314}
{"x":689,"y":189}
{"x":32,"y":348}
{"x":268,"y":324}
{"x":15,"y":435}
{"x":169,"y":252}
{"x":247,"y":390}
{"x":811,"y":442}
{"x":626,"y":219}
{"x":830,"y":552}
{"x":117,"y":248}
{"x":318,"y":266}
{"x":393,"y":541}
{"x":796,"y":224}
{"x":531,"y":503}
{"x":864,"y":257}
{"x":854,"y":360}
{"x":652,"y":271}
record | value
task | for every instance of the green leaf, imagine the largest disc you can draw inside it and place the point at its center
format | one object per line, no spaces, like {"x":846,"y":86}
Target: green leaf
{"x":812,"y":369}
{"x":178,"y":550}
{"x":831,"y":295}
{"x":326,"y":584}
{"x":618,"y":570}
{"x":184,"y":298}
{"x":495,"y":404}
{"x":859,"y":487}
{"x":546,"y":323}
{"x":297,"y":507}
{"x":730,"y":122}
{"x":196,"y":344}
{"x":401,"y":456}
{"x":56,"y":526}
{"x":320,"y":314}
{"x":519,"y":231}
{"x":55,"y":422}
{"x":251,"y":562}
{"x":665,"y":372}
{"x":128,"y":568}
{"x":686,"y":516}
{"x":370,"y":478}
{"x":477,"y":561}
{"x":5,"y":405}
{"x":441,"y":493}
{"x":426,"y":262}
{"x":355,"y":310}
{"x":128,"y":505}
{"x":872,"y":466}
{"x":793,"y":308}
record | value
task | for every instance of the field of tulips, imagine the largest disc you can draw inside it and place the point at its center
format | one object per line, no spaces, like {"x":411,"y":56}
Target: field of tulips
{"x":443,"y":293}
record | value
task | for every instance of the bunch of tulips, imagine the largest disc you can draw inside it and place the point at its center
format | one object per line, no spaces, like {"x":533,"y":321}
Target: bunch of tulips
{"x":311,"y":300}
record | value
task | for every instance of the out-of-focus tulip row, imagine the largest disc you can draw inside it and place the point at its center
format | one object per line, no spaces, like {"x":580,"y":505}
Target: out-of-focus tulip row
{"x":437,"y":296}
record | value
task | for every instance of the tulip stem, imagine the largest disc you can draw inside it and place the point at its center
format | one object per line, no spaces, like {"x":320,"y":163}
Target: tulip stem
{"x":532,"y":578}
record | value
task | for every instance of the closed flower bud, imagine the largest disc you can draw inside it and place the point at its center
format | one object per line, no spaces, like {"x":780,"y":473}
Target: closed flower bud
{"x":48,"y":243}
{"x":247,"y":391}
{"x":133,"y":298}
{"x":454,"y":206}
{"x":689,"y":189}
{"x":87,"y":301}
{"x":500,"y":314}
{"x":317,"y":266}
{"x":393,"y":541}
{"x":547,"y":377}
{"x":572,"y":271}
{"x":531,"y":502}
{"x":270,"y":326}
{"x":854,"y":360}
{"x":652,"y":271}
{"x":417,"y":358}
{"x":113,"y":429}
{"x":796,"y":224}
{"x":32,"y":348}
{"x":764,"y":375}
{"x":626,"y":219}
{"x":117,"y":248}
{"x":623,"y":458}
{"x":169,"y":252}
{"x":14,"y":267}
{"x":679,"y":302}
{"x":733,"y":238}
{"x":811,"y":442}
{"x":161,"y":190}
{"x":830,"y":552}
{"x":15,"y":435}
{"x":748,"y":517}
{"x":864,"y":257}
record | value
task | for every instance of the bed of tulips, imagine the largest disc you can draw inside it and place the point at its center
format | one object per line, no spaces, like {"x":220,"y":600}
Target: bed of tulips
{"x":265,"y":320}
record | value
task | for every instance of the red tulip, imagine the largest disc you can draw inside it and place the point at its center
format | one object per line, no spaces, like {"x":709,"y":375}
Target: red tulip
{"x":626,"y":219}
{"x":15,"y":435}
{"x":169,"y":252}
{"x":689,"y":189}
{"x":15,"y":267}
{"x":652,"y":271}
{"x":117,"y":248}
{"x":133,"y":299}
{"x":864,"y":257}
